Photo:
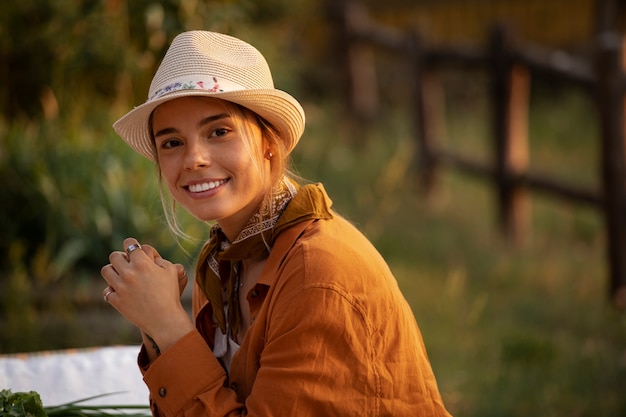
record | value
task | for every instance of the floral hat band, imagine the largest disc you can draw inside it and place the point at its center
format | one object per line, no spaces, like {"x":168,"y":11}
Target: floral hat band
{"x":210,"y":84}
{"x":209,"y":64}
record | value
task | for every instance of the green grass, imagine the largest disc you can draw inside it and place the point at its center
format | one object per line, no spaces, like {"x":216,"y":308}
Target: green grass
{"x":525,"y":331}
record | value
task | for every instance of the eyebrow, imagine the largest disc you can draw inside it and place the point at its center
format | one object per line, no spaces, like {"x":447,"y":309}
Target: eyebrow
{"x":203,"y":122}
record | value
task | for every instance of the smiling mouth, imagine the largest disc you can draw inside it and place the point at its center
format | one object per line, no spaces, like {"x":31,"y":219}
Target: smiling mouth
{"x":205,"y":186}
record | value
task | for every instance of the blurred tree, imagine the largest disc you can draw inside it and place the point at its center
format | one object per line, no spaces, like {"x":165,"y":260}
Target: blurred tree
{"x":25,"y":55}
{"x":51,"y":49}
{"x":56,"y":46}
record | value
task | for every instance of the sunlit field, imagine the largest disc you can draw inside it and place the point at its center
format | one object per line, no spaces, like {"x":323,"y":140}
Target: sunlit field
{"x":511,"y":330}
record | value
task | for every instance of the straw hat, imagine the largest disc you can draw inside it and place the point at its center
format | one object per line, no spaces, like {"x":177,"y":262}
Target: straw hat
{"x":200,"y":63}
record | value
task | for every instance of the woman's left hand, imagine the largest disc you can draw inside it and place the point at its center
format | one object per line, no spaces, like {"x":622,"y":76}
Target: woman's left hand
{"x":146,"y":291}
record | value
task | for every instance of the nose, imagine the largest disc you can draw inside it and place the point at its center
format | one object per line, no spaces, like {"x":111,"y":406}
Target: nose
{"x":196,"y":155}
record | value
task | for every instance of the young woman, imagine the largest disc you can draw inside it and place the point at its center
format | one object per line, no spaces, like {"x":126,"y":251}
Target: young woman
{"x":295,"y":312}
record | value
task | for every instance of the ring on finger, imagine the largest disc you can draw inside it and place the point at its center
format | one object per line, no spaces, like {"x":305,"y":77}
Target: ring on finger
{"x":106,"y":294}
{"x":130,"y":249}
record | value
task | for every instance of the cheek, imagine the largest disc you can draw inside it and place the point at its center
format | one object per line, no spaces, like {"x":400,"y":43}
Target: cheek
{"x":169,"y":174}
{"x":256,"y":171}
{"x":240,"y":162}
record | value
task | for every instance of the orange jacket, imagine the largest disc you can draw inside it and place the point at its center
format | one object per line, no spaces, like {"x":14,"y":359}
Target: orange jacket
{"x":332,"y":335}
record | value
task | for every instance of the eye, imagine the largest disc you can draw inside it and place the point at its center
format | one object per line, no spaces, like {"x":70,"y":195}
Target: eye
{"x":220,"y":131}
{"x":170,"y":143}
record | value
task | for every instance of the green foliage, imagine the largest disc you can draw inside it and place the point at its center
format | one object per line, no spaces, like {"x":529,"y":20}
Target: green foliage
{"x":72,"y":201}
{"x":67,"y":204}
{"x":49,"y":50}
{"x":28,"y":404}
{"x":59,"y":46}
{"x":20,"y":404}
{"x":78,"y":409}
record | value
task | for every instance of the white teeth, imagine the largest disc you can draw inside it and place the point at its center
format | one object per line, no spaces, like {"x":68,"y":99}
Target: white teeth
{"x":205,"y":186}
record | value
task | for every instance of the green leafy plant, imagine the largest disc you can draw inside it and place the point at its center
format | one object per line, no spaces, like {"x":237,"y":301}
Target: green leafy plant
{"x":21,"y":404}
{"x":28,"y":404}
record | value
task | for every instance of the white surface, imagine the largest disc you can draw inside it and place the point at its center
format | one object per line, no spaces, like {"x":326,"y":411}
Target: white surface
{"x":65,"y":376}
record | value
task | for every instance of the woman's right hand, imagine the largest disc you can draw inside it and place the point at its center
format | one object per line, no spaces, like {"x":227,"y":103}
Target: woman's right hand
{"x":147,"y":291}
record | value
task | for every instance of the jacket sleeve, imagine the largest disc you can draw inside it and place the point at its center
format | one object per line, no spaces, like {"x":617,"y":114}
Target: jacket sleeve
{"x":184,"y":376}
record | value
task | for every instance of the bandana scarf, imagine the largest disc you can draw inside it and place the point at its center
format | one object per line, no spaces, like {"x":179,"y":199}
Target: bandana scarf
{"x":220,"y":260}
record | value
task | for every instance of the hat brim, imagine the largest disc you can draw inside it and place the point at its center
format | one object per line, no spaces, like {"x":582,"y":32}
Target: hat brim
{"x":279,"y":108}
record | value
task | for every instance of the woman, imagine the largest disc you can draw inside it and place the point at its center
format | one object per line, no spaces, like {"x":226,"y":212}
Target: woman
{"x":295,"y":312}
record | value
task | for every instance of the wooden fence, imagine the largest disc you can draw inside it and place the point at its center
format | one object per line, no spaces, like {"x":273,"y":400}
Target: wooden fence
{"x":510,"y":67}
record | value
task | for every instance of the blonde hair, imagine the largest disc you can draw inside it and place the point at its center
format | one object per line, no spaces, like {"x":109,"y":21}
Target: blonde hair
{"x":243,"y":117}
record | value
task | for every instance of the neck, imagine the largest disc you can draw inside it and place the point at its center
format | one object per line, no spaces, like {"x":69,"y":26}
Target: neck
{"x":233,"y":225}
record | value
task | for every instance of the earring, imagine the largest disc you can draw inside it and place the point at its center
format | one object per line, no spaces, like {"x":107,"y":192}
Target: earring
{"x":268,"y":155}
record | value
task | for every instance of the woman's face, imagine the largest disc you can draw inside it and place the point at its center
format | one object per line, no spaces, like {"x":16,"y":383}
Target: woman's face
{"x":206,"y":162}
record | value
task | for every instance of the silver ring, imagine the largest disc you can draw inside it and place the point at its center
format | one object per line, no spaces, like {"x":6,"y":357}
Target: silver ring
{"x":106,"y":294}
{"x":131,"y":248}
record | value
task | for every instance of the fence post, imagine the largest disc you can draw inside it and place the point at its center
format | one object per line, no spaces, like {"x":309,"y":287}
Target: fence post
{"x":428,"y":112}
{"x":360,"y":78}
{"x":611,"y":62}
{"x":510,"y":91}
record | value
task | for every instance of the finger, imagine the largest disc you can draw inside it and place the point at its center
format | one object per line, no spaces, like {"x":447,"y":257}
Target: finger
{"x":182,"y":278}
{"x":180,"y":269}
{"x":109,"y":274}
{"x":132,"y":245}
{"x":129,"y":241}
{"x":117,"y":256}
{"x":107,"y":292}
{"x":150,"y":251}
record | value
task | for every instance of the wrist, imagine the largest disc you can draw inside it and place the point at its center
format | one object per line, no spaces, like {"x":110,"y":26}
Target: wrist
{"x":169,"y":333}
{"x":151,"y":345}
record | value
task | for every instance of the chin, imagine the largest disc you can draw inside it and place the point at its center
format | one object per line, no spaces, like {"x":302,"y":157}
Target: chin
{"x":206,"y":216}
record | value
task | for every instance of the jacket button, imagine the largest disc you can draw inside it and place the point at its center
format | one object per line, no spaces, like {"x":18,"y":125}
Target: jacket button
{"x":162,"y":392}
{"x":254,"y":294}
{"x":233,"y":386}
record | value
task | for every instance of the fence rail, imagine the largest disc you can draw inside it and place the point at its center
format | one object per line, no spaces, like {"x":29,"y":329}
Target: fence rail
{"x":510,"y":66}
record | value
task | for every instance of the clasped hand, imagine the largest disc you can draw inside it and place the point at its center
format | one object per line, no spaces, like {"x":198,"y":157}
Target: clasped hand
{"x":146,"y":289}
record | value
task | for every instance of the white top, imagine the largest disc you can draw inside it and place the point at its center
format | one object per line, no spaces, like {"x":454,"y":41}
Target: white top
{"x":224,"y":347}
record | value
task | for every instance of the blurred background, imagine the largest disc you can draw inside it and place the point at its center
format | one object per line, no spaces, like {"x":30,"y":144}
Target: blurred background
{"x":511,"y":329}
